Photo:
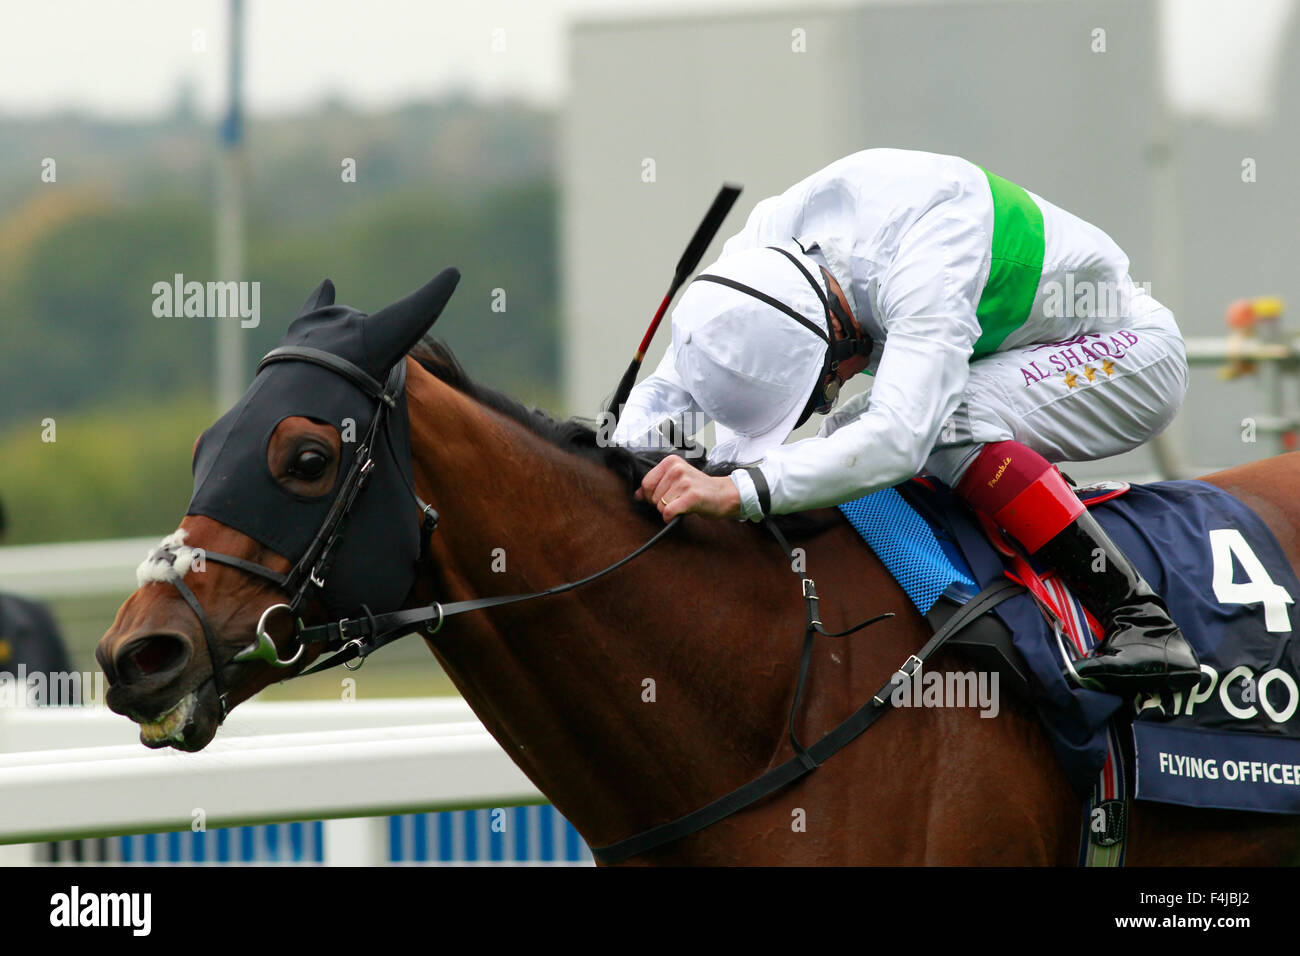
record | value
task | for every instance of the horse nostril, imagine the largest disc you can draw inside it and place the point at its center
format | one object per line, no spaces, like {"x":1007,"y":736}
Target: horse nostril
{"x":152,"y":655}
{"x":107,"y":662}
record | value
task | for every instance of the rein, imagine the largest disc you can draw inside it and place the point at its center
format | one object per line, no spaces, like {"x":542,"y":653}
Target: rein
{"x":354,"y":639}
{"x":359,"y":637}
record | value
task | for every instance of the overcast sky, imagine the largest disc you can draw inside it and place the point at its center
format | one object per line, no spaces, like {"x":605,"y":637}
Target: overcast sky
{"x":129,"y":58}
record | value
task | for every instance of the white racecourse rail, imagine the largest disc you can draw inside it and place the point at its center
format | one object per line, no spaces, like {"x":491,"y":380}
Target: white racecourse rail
{"x":68,"y":773}
{"x":80,"y":773}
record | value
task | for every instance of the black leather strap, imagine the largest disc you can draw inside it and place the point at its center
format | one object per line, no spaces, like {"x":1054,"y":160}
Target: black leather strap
{"x":763,"y":297}
{"x":250,"y":567}
{"x":362,"y":636}
{"x":806,"y":760}
{"x":314,"y":565}
{"x":341,"y":366}
{"x":826,"y":304}
{"x":209,"y":640}
{"x":760,"y":486}
{"x":850,"y":344}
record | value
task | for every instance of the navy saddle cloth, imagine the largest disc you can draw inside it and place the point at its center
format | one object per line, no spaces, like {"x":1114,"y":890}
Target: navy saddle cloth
{"x":1234,"y":742}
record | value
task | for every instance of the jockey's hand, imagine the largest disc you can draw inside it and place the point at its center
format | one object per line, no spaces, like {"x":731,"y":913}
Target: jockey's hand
{"x":675,"y":488}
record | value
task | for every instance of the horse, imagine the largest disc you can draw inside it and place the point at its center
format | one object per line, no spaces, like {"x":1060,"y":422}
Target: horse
{"x":661,"y":686}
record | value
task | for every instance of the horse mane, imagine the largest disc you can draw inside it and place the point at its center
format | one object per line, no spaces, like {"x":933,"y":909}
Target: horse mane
{"x":579,"y":436}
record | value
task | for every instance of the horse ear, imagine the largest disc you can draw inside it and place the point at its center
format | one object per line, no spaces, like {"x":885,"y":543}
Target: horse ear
{"x":394,"y":330}
{"x":321,"y":297}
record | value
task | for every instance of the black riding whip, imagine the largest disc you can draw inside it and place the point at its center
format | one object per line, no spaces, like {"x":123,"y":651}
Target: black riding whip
{"x":708,"y":228}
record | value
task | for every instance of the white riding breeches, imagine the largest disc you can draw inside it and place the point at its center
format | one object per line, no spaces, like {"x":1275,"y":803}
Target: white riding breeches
{"x":1098,"y":394}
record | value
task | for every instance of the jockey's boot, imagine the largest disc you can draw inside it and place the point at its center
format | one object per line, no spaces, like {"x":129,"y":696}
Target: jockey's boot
{"x":1143,"y":649}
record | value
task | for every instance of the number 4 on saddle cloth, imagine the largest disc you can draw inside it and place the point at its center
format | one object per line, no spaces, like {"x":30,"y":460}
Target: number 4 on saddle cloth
{"x":1234,"y":741}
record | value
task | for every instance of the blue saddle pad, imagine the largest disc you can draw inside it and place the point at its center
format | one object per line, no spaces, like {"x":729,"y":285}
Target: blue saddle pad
{"x":924,"y":564}
{"x":1235,"y":741}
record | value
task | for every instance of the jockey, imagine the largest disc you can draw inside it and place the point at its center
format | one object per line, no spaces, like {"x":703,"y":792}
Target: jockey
{"x":1003,"y":334}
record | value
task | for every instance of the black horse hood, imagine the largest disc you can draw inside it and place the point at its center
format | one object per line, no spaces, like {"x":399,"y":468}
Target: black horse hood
{"x":233,"y":484}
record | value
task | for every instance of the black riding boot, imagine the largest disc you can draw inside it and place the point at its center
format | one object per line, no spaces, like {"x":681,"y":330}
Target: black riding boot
{"x":1143,"y":649}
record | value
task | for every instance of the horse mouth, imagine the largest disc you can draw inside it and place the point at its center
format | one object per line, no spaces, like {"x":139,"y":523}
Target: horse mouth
{"x":187,"y":722}
{"x":188,"y":725}
{"x":170,"y":727}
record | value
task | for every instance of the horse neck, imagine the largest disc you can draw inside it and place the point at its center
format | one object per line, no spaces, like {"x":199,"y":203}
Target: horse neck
{"x":593,"y":691}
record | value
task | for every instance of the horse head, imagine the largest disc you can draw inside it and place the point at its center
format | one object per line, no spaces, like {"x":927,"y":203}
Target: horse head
{"x":303,"y":508}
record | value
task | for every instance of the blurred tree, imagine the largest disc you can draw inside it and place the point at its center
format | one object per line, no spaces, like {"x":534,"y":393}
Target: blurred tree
{"x":451,"y":183}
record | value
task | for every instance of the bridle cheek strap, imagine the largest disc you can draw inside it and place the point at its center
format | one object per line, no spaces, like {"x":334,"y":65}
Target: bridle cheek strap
{"x":209,"y":640}
{"x":311,"y":570}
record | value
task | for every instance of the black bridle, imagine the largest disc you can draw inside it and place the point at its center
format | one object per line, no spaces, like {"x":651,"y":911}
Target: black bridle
{"x":311,"y":571}
{"x":354,"y":639}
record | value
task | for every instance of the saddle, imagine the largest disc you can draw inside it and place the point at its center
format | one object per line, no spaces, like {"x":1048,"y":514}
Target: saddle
{"x":1233,"y":742}
{"x":986,"y":643}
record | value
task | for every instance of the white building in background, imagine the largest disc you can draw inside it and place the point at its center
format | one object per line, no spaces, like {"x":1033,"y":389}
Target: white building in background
{"x":1065,"y":97}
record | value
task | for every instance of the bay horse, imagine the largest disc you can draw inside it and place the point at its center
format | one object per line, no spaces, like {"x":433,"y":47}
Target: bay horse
{"x":660,"y":687}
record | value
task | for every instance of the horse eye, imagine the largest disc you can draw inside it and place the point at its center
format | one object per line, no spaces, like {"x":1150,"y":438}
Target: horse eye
{"x":309,"y":465}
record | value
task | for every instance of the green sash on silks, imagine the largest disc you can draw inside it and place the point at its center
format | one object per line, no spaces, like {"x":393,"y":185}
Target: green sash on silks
{"x":1017,"y":266}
